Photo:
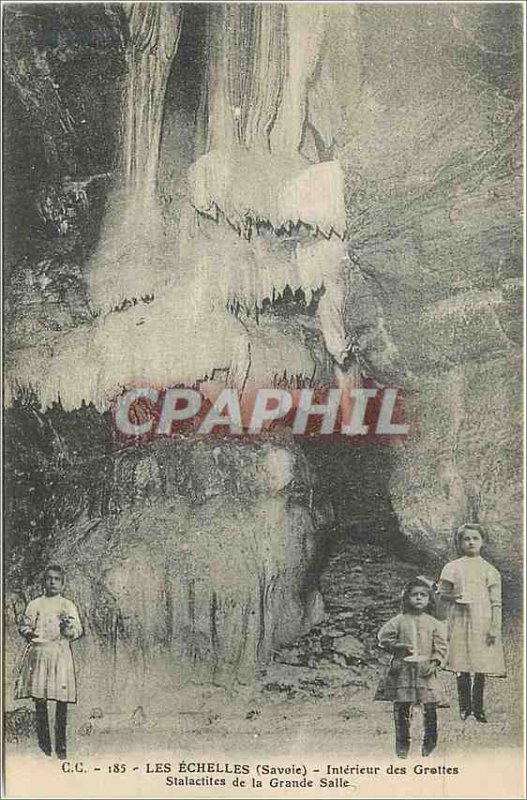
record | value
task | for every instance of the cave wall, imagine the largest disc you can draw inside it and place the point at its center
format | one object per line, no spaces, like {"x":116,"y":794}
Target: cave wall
{"x":434,"y":175}
{"x":189,"y":560}
{"x":63,"y":71}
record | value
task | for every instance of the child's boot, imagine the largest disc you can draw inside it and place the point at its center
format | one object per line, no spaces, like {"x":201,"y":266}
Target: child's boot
{"x":61,"y":715}
{"x":401,"y":713}
{"x":464,"y":695}
{"x":477,"y":697}
{"x":430,"y":728}
{"x":44,"y":740}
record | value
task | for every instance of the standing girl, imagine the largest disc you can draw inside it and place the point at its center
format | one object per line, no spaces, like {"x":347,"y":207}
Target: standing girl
{"x":472,"y":588}
{"x":46,"y":672}
{"x":418,"y":645}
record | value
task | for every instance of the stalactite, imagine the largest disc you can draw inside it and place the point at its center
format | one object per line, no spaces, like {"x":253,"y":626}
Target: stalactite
{"x":130,"y":260}
{"x":247,"y":54}
{"x":305,"y":29}
{"x":178,"y":338}
{"x":280,"y":221}
{"x":269,"y":188}
{"x":153,"y":40}
{"x":254,"y":171}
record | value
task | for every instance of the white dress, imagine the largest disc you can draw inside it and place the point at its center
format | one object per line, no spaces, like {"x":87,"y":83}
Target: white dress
{"x":468,"y":625}
{"x":46,"y":670}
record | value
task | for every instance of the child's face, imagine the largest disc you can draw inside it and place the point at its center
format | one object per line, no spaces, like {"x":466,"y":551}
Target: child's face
{"x":52,"y":582}
{"x":418,"y":598}
{"x":471,"y":543}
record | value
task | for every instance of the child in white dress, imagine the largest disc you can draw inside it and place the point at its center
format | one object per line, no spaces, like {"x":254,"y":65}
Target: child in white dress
{"x":46,"y":672}
{"x":472,"y":588}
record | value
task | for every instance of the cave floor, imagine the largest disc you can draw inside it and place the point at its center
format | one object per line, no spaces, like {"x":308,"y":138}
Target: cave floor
{"x":318,"y":702}
{"x":333,"y":719}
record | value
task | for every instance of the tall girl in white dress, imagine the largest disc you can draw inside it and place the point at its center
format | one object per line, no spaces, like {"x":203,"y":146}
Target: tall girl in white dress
{"x":472,"y":588}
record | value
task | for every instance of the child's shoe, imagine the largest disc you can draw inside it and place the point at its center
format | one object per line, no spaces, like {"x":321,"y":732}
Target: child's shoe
{"x":430,"y":726}
{"x":429,"y":745}
{"x":402,"y":715}
{"x":464,"y":692}
{"x":477,"y":698}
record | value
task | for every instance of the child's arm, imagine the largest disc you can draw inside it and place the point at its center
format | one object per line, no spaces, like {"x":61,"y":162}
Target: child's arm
{"x":439,"y":651}
{"x":445,"y":590}
{"x":388,"y":637}
{"x":495,"y":605}
{"x":28,"y":622}
{"x":439,"y":644}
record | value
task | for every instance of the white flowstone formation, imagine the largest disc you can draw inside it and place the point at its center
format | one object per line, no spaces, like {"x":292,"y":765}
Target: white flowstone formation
{"x":280,"y":219}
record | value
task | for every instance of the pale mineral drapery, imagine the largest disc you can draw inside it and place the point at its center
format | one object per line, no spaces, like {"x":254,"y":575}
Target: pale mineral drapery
{"x":154,"y":31}
{"x":261,"y":79}
{"x":265,"y":63}
{"x":130,"y":258}
{"x":261,"y":69}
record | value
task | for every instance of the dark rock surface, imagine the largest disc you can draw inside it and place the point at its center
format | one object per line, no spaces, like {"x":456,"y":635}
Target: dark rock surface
{"x":435,"y":230}
{"x":361,"y":583}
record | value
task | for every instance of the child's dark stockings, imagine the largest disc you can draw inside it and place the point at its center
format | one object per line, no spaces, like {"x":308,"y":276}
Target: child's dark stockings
{"x":44,"y":739}
{"x":402,"y":713}
{"x":470,"y":695}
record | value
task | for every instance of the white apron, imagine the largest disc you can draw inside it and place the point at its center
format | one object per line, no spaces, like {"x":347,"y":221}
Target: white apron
{"x":46,"y":670}
{"x":468,"y":625}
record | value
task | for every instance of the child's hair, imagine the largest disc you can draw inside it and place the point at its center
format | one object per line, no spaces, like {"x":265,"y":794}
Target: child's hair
{"x":423,"y":583}
{"x":54,"y":568}
{"x":468,"y":526}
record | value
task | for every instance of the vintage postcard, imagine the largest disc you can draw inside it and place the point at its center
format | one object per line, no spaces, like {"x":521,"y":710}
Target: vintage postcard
{"x":263,"y":400}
